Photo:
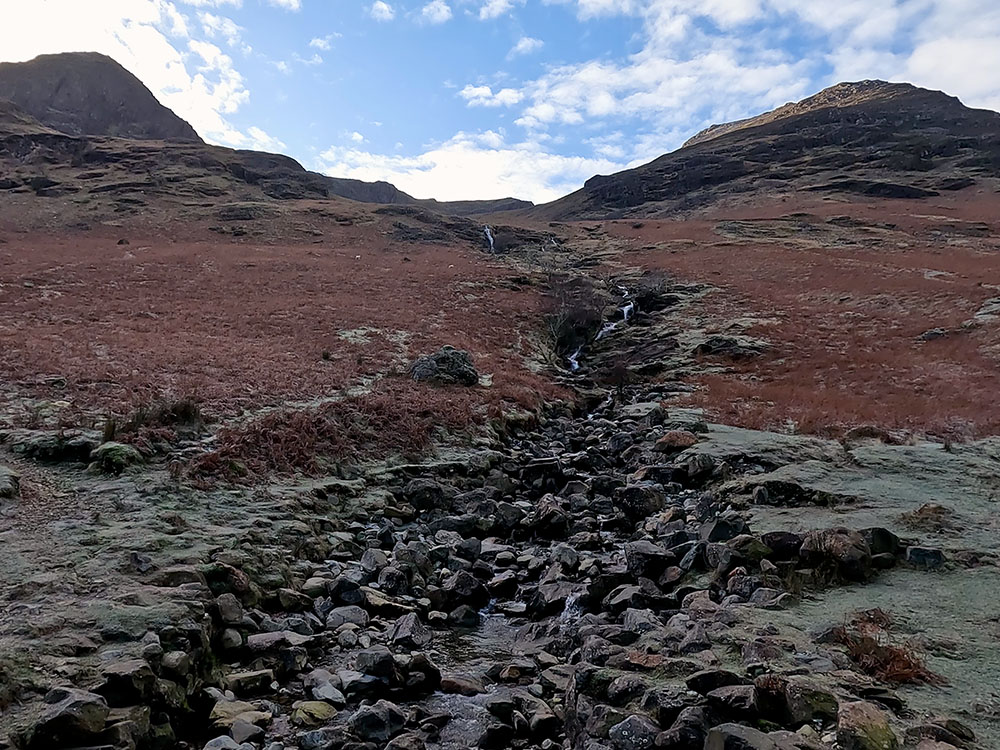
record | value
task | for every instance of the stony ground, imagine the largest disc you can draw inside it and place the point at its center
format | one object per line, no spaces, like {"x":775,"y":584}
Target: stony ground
{"x":601,"y":566}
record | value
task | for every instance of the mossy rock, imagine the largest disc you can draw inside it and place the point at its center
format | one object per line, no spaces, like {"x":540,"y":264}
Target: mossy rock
{"x":114,"y":458}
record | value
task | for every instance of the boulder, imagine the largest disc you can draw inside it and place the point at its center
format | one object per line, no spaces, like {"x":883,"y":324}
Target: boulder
{"x":635,"y":733}
{"x":446,"y":366}
{"x":71,"y":717}
{"x":841,"y":552}
{"x":863,"y":726}
{"x":379,"y":722}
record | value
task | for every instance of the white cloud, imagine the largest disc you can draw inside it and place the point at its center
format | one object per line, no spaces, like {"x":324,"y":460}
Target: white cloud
{"x":356,"y":137}
{"x":471,"y":166}
{"x":496,"y":8}
{"x":214,"y":3}
{"x":221,"y":26}
{"x":324,"y":43}
{"x":525,"y":46}
{"x":436,"y":11}
{"x":286,"y":4}
{"x":382,"y":11}
{"x":483,"y":96}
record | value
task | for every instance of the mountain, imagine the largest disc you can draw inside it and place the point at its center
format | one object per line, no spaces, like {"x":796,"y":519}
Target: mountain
{"x":868,"y":138}
{"x":92,"y":127}
{"x":85,"y":93}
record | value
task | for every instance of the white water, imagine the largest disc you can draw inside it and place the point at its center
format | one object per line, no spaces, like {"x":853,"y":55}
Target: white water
{"x":488,"y":234}
{"x":574,"y":359}
{"x":626,"y":310}
{"x":572,"y":610}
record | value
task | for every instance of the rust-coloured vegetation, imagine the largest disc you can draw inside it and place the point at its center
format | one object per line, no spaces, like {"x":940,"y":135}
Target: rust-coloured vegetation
{"x":868,"y":644}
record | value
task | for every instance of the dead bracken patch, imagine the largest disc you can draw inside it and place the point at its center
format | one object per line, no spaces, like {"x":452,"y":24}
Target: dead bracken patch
{"x":867,"y":643}
{"x":930,"y":517}
{"x":397,"y":417}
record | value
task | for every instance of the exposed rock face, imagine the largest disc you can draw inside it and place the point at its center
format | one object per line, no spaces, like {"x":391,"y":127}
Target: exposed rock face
{"x":86,"y":93}
{"x":870,"y":138}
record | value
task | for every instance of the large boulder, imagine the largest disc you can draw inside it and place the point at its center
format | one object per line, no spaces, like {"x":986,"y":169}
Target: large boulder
{"x":379,"y":722}
{"x":71,"y":717}
{"x":114,"y":458}
{"x":446,"y":366}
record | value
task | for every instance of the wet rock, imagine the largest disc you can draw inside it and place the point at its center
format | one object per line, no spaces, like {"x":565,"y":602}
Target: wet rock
{"x":464,"y":588}
{"x":447,"y":366}
{"x":464,"y":616}
{"x":862,"y":726}
{"x":409,"y":632}
{"x":227,"y":743}
{"x":462,"y":684}
{"x":70,"y":717}
{"x":723,"y":529}
{"x":807,"y":701}
{"x":327,"y":738}
{"x":379,"y":722}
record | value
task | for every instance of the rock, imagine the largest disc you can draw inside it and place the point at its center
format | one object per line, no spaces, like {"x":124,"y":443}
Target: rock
{"x":807,"y":702}
{"x":645,"y":559}
{"x":379,"y":722}
{"x":723,"y":529}
{"x":464,"y":588}
{"x":249,"y":683}
{"x":462,"y":684}
{"x":114,"y":458}
{"x":838,"y":551}
{"x":447,"y":366}
{"x":638,"y":501}
{"x":737,"y":737}
{"x":675,"y":441}
{"x":635,"y":733}
{"x":376,"y":661}
{"x":229,"y":608}
{"x":223,"y":743}
{"x":127,"y":682}
{"x":70,"y":717}
{"x":10,"y":484}
{"x":707,"y":680}
{"x":927,"y":558}
{"x":312,"y":713}
{"x":735,"y":700}
{"x":225,"y":713}
{"x":351,"y":614}
{"x":409,"y":632}
{"x":862,"y":726}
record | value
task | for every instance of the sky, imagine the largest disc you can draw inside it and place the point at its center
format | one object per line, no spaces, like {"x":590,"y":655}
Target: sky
{"x":478,"y":99}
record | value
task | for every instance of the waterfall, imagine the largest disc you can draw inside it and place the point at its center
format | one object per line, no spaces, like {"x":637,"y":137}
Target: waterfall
{"x":488,"y":234}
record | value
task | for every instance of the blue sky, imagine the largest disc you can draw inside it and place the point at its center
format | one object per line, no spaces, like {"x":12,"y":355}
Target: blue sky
{"x":456,"y":99}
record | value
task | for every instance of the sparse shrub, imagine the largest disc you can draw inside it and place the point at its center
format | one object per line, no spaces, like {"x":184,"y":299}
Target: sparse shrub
{"x":869,"y":647}
{"x":575,"y":312}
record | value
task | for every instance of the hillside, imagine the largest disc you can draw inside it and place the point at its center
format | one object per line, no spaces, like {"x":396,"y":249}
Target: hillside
{"x":79,"y":123}
{"x":868,"y":139}
{"x":85,"y":93}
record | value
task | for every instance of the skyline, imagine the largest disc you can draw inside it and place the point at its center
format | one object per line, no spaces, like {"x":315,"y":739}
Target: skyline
{"x":472,"y":99}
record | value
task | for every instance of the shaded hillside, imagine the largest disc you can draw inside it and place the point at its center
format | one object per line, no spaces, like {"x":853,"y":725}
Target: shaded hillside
{"x":79,"y":123}
{"x":86,"y":93}
{"x":870,"y":138}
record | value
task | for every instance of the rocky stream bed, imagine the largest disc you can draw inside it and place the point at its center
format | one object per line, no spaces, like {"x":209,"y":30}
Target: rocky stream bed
{"x":608,"y":580}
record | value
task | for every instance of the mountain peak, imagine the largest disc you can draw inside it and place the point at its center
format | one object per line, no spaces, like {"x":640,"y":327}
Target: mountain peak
{"x":87,"y":93}
{"x":840,"y":96}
